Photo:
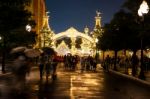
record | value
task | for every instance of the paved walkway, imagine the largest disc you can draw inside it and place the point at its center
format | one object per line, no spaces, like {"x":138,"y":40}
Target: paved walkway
{"x":120,"y":71}
{"x":69,"y":85}
{"x":77,"y":85}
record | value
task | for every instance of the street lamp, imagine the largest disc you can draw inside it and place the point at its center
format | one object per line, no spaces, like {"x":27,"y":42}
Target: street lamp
{"x":144,"y":8}
{"x":28,"y":28}
{"x":0,"y":38}
{"x":141,"y":12}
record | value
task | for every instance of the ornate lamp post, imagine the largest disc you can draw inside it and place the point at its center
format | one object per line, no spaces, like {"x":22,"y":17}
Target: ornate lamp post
{"x":141,"y":12}
{"x":28,"y":28}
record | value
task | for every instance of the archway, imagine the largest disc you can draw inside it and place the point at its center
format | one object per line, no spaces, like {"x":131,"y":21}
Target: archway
{"x":87,"y":41}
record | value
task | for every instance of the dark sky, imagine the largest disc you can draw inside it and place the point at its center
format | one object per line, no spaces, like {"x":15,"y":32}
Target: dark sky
{"x":80,"y":13}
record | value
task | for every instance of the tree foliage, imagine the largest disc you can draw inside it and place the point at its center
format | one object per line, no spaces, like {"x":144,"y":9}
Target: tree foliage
{"x":142,"y":23}
{"x":13,"y":19}
{"x":126,"y":29}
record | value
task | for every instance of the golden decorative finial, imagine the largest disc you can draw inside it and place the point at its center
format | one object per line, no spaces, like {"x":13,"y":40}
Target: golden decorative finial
{"x":98,"y":13}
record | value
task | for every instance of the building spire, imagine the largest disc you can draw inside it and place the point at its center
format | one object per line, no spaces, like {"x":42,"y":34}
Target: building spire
{"x":98,"y":27}
{"x":46,"y":21}
{"x":97,"y":20}
{"x":98,"y":13}
{"x":46,"y":32}
{"x":86,"y":30}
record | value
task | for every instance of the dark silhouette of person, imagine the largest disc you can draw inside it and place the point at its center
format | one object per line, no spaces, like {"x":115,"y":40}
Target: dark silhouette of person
{"x":55,"y":61}
{"x":107,"y":62}
{"x":41,"y":65}
{"x":135,"y":62}
{"x":19,"y":70}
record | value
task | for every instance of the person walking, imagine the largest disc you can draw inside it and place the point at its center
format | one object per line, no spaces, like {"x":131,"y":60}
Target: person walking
{"x":41,"y":64}
{"x":107,"y":62}
{"x":55,"y":61}
{"x":19,"y":70}
{"x":48,"y":67}
{"x":135,"y":62}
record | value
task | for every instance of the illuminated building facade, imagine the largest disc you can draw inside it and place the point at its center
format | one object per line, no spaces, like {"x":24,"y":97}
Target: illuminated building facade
{"x":38,"y":9}
{"x":47,"y":38}
{"x":46,"y":33}
{"x":88,"y":45}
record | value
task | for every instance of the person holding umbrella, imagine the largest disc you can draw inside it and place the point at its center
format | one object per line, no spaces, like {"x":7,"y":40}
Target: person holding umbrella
{"x":22,"y":62}
{"x":19,"y":70}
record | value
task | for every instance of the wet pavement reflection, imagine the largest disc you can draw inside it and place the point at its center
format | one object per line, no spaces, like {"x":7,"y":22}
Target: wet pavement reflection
{"x":74,"y":85}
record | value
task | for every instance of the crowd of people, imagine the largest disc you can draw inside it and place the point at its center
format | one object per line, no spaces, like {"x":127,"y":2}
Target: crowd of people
{"x":126,"y":62}
{"x":83,"y":63}
{"x":48,"y":64}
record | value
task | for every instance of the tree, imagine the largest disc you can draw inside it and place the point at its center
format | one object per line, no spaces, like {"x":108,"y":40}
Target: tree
{"x":129,"y":28}
{"x":14,"y":16}
{"x":110,"y":40}
{"x":114,"y":35}
{"x":117,"y":34}
{"x":142,"y":26}
{"x":126,"y":29}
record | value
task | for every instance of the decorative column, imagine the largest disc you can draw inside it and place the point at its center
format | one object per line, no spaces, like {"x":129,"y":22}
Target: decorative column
{"x":73,"y":45}
{"x":46,"y":33}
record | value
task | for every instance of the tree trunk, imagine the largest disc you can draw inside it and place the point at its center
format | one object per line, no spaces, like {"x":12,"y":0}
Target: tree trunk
{"x":3,"y":56}
{"x":115,"y":62}
{"x":3,"y":62}
{"x":103,"y":55}
{"x":134,"y":67}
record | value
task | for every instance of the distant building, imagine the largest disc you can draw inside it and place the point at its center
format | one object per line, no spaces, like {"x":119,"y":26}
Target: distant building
{"x":88,"y":39}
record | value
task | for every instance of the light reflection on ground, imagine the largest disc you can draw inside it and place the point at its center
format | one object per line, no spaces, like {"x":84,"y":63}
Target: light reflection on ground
{"x":82,"y":84}
{"x":35,"y":87}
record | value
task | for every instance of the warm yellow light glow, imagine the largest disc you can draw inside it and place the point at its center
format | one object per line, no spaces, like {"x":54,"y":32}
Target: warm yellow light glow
{"x":88,"y":75}
{"x":144,"y":8}
{"x":28,"y":28}
{"x":79,"y":88}
{"x":148,"y":53}
{"x":0,"y":38}
{"x":35,"y":87}
{"x":72,"y":32}
{"x":96,"y":40}
{"x":91,"y":82}
{"x":131,"y":53}
{"x":100,"y":52}
{"x":130,"y":71}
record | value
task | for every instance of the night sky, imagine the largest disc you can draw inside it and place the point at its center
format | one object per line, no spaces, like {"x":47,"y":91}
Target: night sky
{"x":80,"y":13}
